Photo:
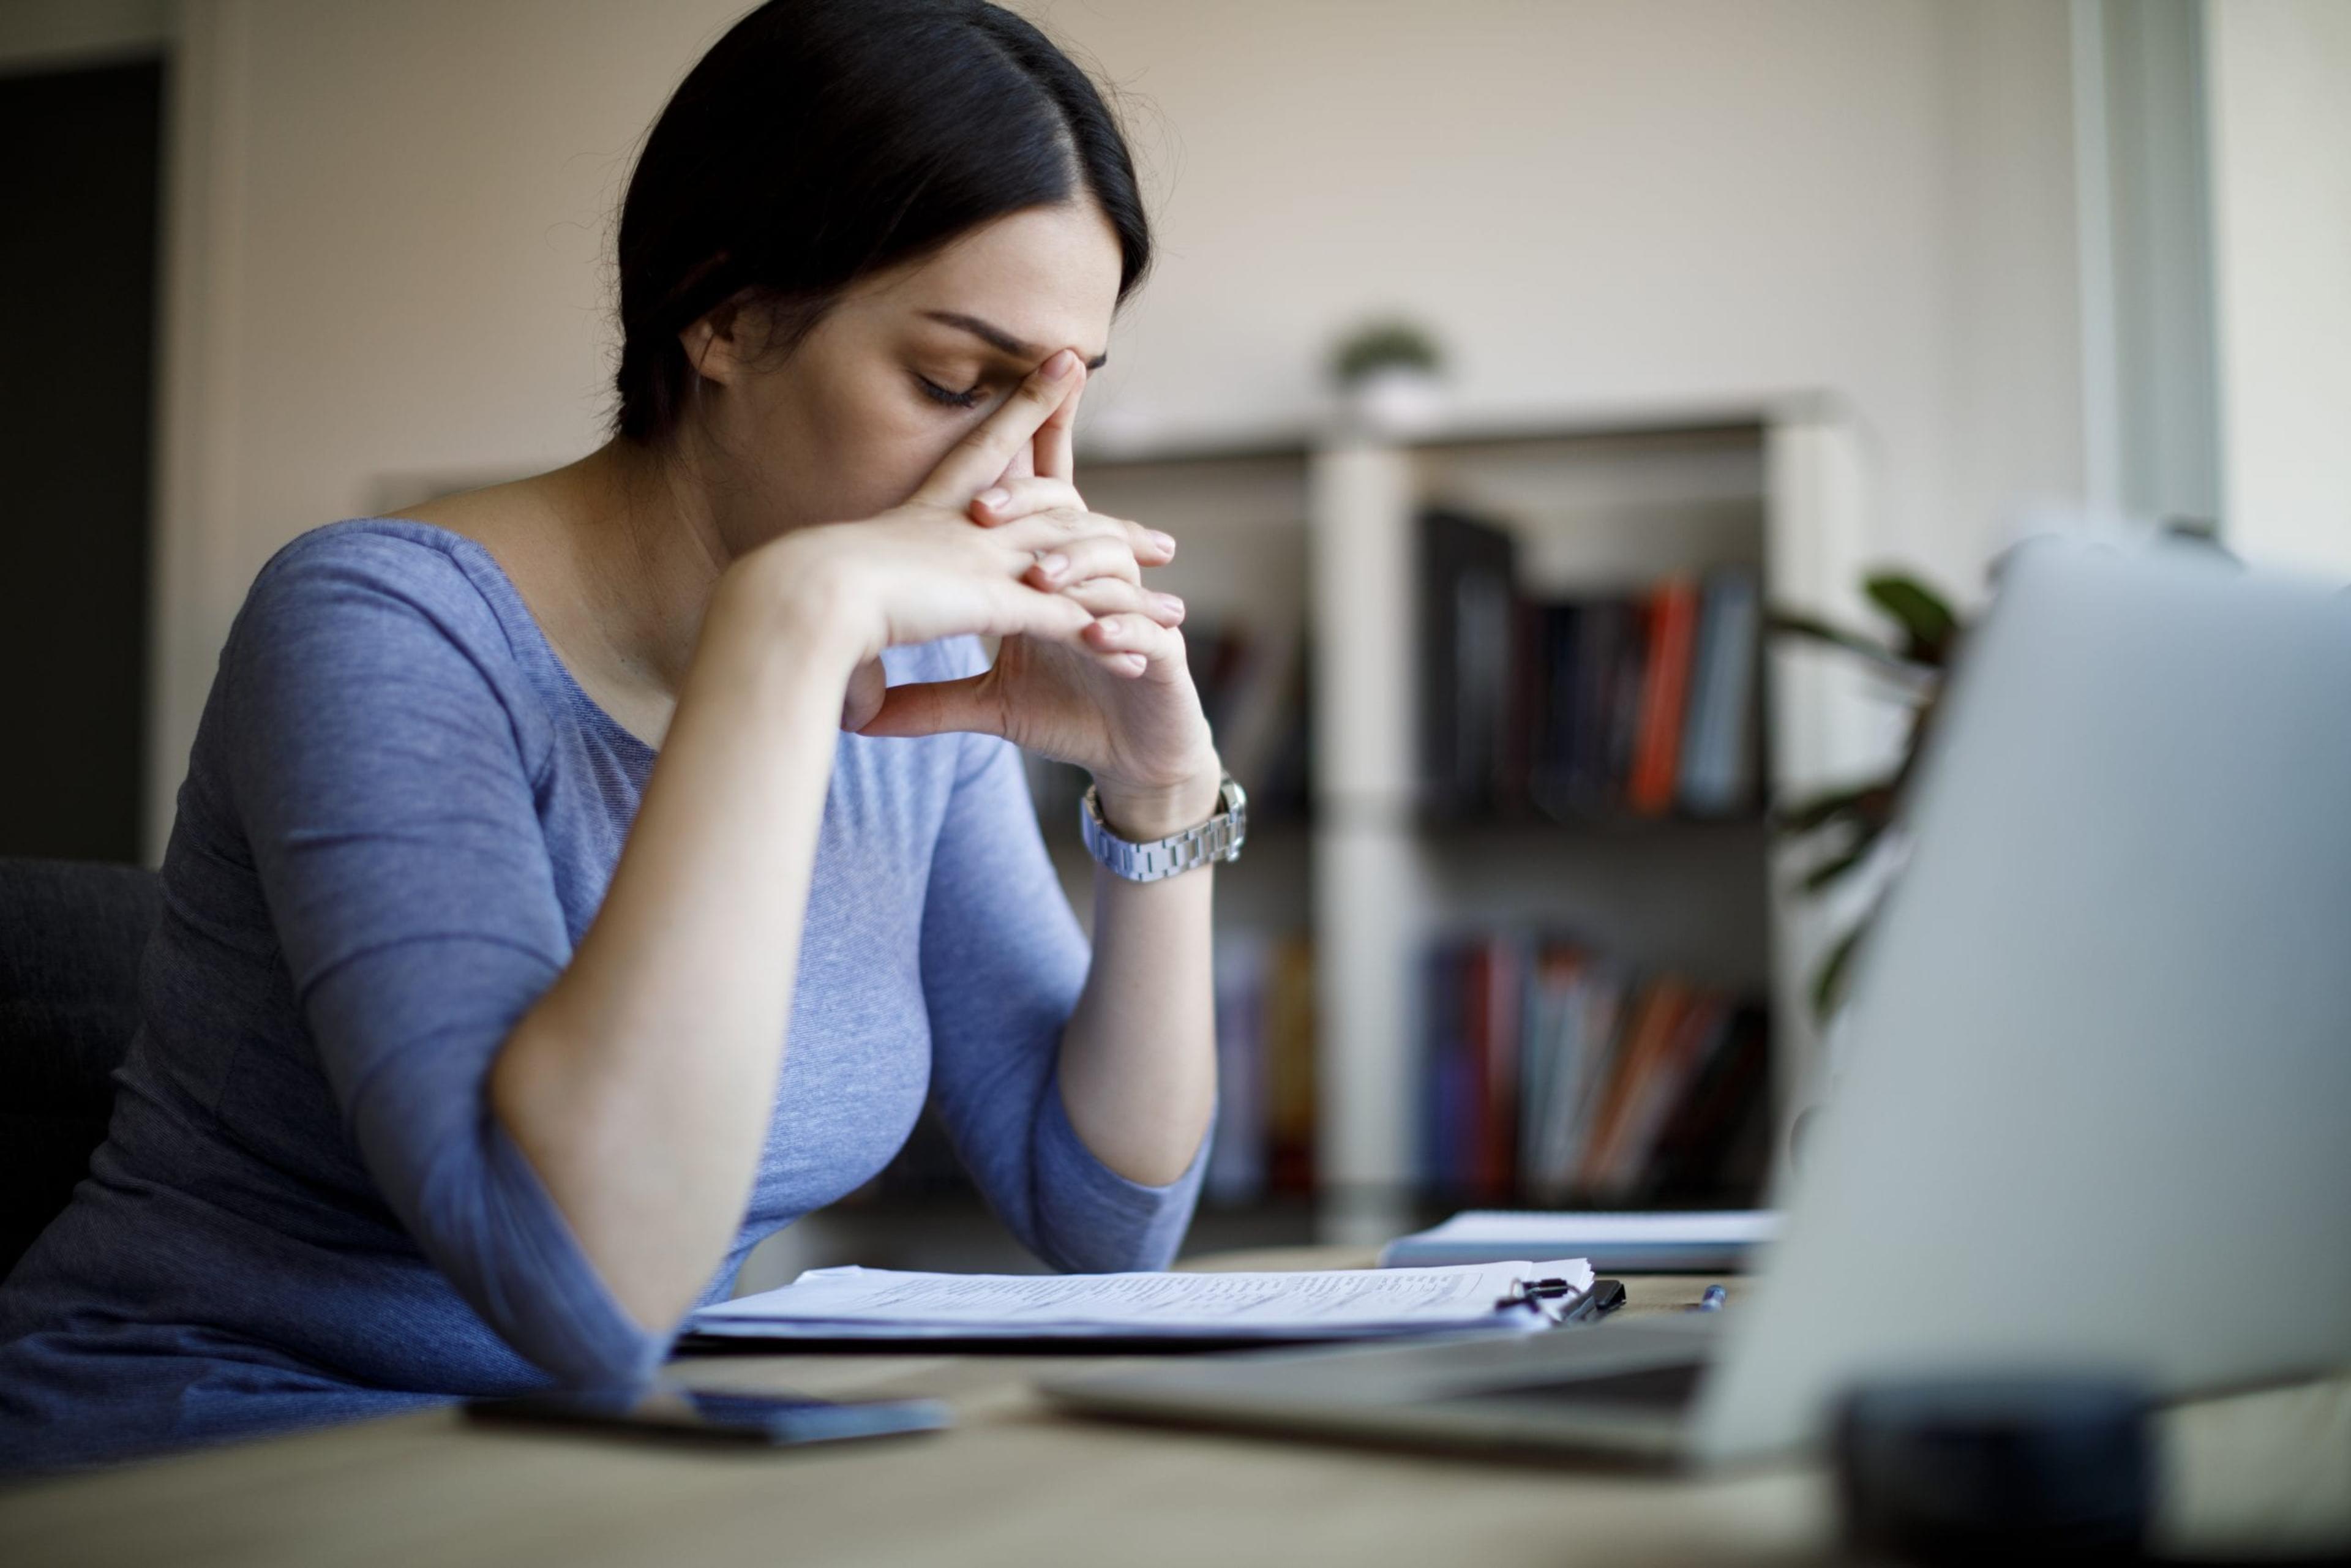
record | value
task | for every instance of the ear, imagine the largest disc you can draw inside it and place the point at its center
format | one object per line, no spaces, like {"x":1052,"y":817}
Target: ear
{"x":715,"y":344}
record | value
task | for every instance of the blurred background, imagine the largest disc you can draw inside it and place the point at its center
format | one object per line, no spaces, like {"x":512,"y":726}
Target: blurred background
{"x":1591,"y":423}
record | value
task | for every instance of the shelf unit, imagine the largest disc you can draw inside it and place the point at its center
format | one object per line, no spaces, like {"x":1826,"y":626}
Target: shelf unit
{"x":1319,"y":534}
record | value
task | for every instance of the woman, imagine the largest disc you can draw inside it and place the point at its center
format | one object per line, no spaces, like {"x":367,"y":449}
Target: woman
{"x":476,"y":1050}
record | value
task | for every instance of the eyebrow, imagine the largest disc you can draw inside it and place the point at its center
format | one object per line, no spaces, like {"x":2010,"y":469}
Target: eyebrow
{"x":997,"y":338}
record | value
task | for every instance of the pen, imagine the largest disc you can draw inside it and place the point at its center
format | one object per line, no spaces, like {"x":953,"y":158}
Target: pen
{"x":1711,"y":1300}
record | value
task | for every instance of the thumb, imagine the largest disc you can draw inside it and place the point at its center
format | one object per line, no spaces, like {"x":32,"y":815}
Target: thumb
{"x":936,"y":707}
{"x":867,"y":685}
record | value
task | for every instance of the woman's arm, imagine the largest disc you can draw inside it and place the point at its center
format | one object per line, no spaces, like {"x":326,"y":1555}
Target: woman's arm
{"x":1139,"y":1056}
{"x":641,"y":1084}
{"x":1137,"y":1065}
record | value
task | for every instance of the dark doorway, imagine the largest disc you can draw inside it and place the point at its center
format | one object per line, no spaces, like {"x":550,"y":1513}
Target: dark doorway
{"x":79,"y":151}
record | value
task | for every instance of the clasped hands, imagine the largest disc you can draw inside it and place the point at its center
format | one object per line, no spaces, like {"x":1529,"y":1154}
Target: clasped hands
{"x":998,"y":542}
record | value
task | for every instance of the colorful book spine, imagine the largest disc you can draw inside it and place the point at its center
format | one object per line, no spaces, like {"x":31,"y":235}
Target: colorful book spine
{"x":1673,"y":627}
{"x":1263,"y":1141}
{"x":1718,"y":764}
{"x":1549,"y":1078}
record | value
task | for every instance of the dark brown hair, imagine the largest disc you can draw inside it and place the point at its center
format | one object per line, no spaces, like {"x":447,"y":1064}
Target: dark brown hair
{"x":821,"y":141}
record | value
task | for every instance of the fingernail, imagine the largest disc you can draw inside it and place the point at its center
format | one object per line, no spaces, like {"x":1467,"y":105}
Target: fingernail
{"x":1164,"y":541}
{"x":1059,"y":367}
{"x":1169,"y":603}
{"x":994,"y":498}
{"x":1053,"y":564}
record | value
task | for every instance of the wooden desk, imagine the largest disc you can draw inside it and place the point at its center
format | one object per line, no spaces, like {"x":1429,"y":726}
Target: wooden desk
{"x":1017,"y":1484}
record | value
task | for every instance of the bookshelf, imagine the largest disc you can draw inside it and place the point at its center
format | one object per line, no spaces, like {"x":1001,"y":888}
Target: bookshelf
{"x":1596,"y":506}
{"x":1311,"y":545}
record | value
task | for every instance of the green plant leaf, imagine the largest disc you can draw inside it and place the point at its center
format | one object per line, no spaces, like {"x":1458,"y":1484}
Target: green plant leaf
{"x":1873,"y":801}
{"x":1930,"y":626}
{"x":1378,"y":345}
{"x":1812,"y":629}
{"x":1837,"y":964}
{"x":1837,"y":866}
{"x":1866,"y":831}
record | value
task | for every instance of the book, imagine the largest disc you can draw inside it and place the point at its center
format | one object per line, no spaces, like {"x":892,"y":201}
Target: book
{"x":1657,"y":750}
{"x":1699,"y":1153}
{"x":1605,"y":647}
{"x":1586,"y":1049}
{"x":1263,"y":1141}
{"x":1443,"y":1091}
{"x":1546,"y":1049}
{"x":1290,"y":1085}
{"x":1648,"y":1032}
{"x":1491,"y":1031}
{"x":1698,"y":1030}
{"x":890,"y":1305}
{"x":1238,"y":1153}
{"x":1555,"y":693}
{"x":1549,"y":1073}
{"x":1468,"y":629}
{"x":1708,"y":1241}
{"x":1718,"y":760}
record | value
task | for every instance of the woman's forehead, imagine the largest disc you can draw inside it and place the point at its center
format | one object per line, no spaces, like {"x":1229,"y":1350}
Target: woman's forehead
{"x":1040,"y":280}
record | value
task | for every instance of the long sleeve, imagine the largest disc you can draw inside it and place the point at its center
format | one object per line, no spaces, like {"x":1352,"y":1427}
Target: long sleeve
{"x":381,"y":775}
{"x":1003,"y":961}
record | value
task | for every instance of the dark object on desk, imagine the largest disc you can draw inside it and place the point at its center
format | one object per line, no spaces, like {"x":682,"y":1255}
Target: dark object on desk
{"x":71,"y":935}
{"x":771,"y":1420}
{"x":1604,"y":1297}
{"x":1966,"y":1470}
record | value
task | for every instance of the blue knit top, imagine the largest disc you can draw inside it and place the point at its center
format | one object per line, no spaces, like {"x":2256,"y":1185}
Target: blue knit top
{"x":399,"y":819}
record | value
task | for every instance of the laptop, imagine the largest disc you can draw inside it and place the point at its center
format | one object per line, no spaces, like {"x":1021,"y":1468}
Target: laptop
{"x":2095,"y":1109}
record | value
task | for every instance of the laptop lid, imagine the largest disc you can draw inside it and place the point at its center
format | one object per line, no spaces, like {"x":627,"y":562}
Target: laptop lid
{"x":2095,"y":1109}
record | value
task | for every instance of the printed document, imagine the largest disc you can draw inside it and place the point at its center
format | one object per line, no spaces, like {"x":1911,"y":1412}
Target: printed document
{"x":1333,"y":1303}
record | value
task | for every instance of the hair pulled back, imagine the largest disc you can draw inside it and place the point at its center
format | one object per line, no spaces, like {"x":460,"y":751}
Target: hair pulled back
{"x":821,"y":141}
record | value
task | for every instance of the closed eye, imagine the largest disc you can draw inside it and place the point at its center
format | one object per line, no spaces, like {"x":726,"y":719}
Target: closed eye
{"x":937,"y":393}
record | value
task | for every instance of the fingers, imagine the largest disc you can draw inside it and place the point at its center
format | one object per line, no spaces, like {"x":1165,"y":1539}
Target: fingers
{"x":1014,"y":498}
{"x":976,"y":461}
{"x":1049,"y":529}
{"x":1050,"y":448}
{"x":867,"y":684}
{"x":1022,"y":611}
{"x":935,"y":707}
{"x":1134,"y":644}
{"x":1112,"y":596}
{"x":1084,"y":559}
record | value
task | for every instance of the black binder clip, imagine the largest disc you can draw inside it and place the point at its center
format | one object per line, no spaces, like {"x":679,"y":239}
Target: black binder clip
{"x":1561,"y":1302}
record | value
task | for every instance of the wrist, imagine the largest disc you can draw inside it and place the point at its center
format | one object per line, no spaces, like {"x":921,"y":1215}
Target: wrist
{"x":1140,"y":814}
{"x":788,"y":599}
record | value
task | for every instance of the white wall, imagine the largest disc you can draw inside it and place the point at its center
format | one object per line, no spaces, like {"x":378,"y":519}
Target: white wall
{"x":2281,"y":127}
{"x":394,"y":219}
{"x":1600,"y":203}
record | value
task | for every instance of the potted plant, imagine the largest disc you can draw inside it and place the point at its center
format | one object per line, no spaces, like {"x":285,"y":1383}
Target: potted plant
{"x":1846,"y":830}
{"x":1389,"y":373}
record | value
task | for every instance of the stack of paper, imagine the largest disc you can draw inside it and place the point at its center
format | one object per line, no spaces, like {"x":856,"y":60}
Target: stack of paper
{"x":1339,"y":1304}
{"x":1623,"y":1243}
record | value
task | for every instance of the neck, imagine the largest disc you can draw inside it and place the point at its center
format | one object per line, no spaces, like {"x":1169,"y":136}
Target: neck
{"x":650,"y":555}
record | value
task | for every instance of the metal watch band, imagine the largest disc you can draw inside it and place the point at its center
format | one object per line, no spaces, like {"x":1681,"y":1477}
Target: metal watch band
{"x":1218,"y":838}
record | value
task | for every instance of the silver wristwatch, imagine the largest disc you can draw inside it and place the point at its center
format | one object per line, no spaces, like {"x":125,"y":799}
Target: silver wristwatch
{"x":1218,"y":838}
